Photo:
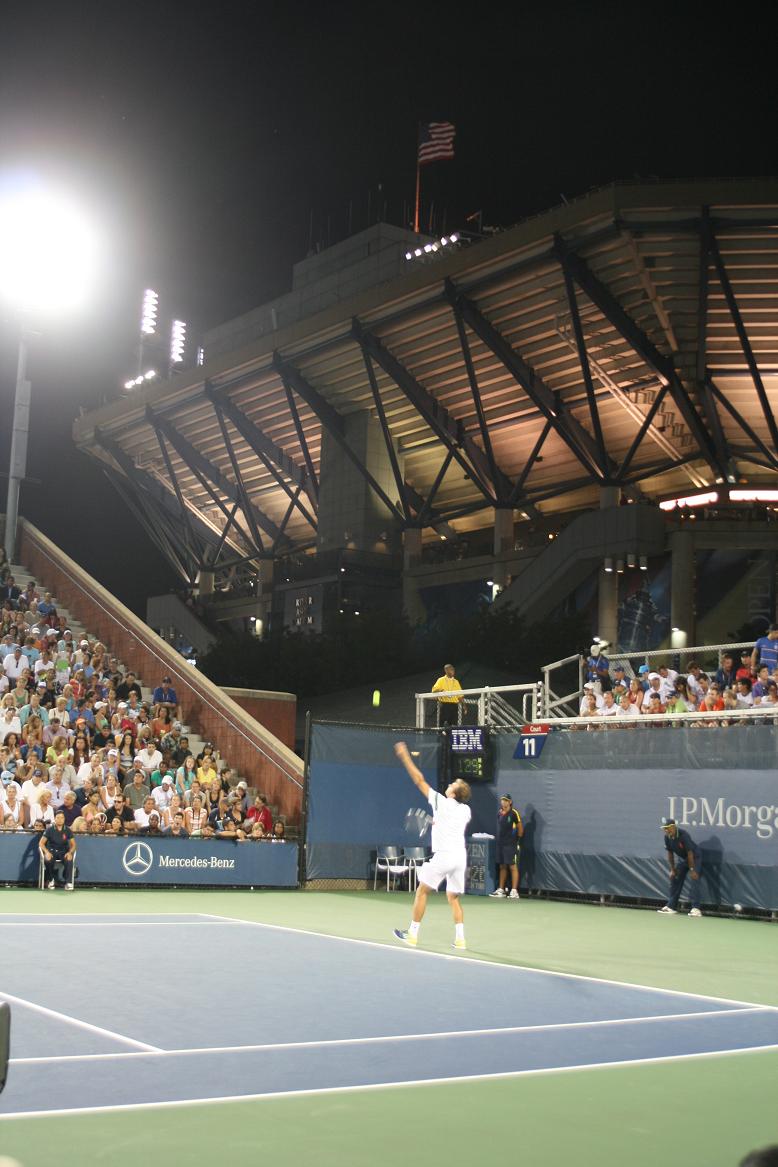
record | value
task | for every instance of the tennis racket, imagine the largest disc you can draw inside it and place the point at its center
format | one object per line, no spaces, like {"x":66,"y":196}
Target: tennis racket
{"x":417,"y":822}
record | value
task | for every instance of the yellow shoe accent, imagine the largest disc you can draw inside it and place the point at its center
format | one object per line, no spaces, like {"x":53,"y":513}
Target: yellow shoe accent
{"x":459,"y":944}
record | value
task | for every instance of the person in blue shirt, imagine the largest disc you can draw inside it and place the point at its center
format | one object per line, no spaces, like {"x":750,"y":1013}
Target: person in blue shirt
{"x":766,"y":650}
{"x":680,"y":845}
{"x":597,"y":666}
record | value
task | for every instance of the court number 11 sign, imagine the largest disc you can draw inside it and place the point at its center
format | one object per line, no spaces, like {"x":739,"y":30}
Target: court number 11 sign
{"x":531,"y":742}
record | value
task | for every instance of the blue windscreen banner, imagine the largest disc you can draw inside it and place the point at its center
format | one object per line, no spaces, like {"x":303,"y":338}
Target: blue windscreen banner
{"x":141,"y":861}
{"x":591,"y":803}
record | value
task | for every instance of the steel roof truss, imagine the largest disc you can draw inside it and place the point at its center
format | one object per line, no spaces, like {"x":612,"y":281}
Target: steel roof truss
{"x":519,"y":487}
{"x":174,"y":480}
{"x":245,"y":501}
{"x":745,"y":343}
{"x":446,"y":428}
{"x":603,"y":299}
{"x":205,"y":472}
{"x":333,"y":423}
{"x":570,"y":430}
{"x":270,"y":454}
{"x":140,"y":507}
{"x":583,"y":357}
{"x":388,"y":440}
{"x":479,"y":407}
{"x":738,"y":418}
{"x":155,"y":489}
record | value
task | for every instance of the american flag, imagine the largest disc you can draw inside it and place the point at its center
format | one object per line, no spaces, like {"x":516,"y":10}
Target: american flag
{"x":436,"y":141}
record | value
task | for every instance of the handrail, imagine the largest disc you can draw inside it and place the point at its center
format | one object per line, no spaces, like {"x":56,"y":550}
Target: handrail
{"x":648,"y":719}
{"x":485,"y":694}
{"x":645,"y":656}
{"x":205,"y":690}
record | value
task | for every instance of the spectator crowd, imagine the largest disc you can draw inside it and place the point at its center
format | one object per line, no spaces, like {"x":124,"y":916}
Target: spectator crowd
{"x":739,"y":684}
{"x":76,"y":736}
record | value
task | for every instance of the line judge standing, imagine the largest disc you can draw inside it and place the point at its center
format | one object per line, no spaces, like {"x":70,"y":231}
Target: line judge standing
{"x":448,"y":704}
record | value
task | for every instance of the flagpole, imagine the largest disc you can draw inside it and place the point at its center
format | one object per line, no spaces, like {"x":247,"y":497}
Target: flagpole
{"x":418,"y":181}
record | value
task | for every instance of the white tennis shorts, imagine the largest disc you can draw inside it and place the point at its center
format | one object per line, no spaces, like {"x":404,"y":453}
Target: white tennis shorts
{"x":448,"y":865}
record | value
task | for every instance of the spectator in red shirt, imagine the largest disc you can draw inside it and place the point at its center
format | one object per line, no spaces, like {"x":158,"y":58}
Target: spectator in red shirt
{"x":260,"y":812}
{"x":745,"y":666}
{"x":655,"y":706}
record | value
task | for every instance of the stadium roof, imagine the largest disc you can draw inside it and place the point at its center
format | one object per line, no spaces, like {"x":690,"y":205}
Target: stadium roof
{"x":629,"y":337}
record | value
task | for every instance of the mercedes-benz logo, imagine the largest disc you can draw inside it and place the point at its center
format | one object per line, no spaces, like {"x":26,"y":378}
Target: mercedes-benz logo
{"x":137,"y":859}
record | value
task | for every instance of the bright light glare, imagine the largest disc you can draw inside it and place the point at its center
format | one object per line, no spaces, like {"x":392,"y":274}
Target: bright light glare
{"x":47,"y":251}
{"x":691,"y":500}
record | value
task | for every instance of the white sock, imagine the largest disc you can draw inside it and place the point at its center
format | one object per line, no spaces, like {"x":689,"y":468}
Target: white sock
{"x":413,"y":928}
{"x":460,"y":931}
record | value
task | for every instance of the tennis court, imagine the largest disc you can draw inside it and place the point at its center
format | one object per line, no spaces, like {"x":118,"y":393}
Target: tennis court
{"x":128,"y":1012}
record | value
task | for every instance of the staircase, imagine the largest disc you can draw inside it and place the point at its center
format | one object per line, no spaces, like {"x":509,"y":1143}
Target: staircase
{"x":578,"y":550}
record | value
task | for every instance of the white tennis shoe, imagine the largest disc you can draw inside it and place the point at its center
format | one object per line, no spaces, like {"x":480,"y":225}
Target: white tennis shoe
{"x":666,"y":911}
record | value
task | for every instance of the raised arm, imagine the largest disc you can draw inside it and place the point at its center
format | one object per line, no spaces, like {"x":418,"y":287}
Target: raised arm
{"x":414,"y":773}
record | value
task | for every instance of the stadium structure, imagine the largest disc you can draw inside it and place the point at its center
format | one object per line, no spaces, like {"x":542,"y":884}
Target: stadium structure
{"x":517,"y":417}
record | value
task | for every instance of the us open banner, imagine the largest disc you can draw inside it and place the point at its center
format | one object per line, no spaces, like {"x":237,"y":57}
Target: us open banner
{"x":143,"y":860}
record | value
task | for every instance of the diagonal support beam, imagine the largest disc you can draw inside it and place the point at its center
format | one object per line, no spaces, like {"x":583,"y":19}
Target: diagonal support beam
{"x":739,"y":420}
{"x":333,"y":423}
{"x":388,"y":440}
{"x":264,"y":459}
{"x":570,"y":430}
{"x":475,"y":391}
{"x":245,"y":501}
{"x":745,"y":343}
{"x":703,"y":388}
{"x":583,"y":359}
{"x":448,"y":429}
{"x":174,"y":479}
{"x":663,"y":366}
{"x":200,"y":465}
{"x":271,"y":455}
{"x":152,"y":487}
{"x":143,"y":507}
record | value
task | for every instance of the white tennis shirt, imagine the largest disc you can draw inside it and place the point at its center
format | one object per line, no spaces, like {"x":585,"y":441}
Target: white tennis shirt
{"x":449,"y":822}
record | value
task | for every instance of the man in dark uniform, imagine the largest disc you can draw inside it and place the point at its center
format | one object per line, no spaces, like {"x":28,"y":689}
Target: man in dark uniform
{"x":509,"y":832}
{"x":679,"y":843}
{"x":58,"y":846}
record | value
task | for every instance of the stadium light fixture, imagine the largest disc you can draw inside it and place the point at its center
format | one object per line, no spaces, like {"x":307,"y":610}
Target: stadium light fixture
{"x":177,"y":342}
{"x":630,"y":561}
{"x":643,"y":563}
{"x":608,"y":565}
{"x":620,"y":566}
{"x":149,"y":312}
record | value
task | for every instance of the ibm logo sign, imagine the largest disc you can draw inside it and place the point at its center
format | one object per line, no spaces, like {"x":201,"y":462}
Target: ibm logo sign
{"x":467,"y":739}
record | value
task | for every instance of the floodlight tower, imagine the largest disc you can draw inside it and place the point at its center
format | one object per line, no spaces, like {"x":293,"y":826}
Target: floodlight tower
{"x":47,"y":258}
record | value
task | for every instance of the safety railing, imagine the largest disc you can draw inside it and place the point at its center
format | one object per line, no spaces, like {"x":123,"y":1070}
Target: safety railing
{"x":711,"y":719}
{"x":484,"y":706}
{"x":552,"y":704}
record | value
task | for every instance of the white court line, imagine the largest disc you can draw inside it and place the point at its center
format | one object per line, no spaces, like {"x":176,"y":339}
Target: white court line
{"x":413,"y":952}
{"x":394,"y":1037}
{"x":60,"y":923}
{"x":167,"y":1105}
{"x":154,"y":1049}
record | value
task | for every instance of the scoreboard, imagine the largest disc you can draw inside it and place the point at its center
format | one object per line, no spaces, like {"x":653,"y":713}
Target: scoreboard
{"x":470,"y":753}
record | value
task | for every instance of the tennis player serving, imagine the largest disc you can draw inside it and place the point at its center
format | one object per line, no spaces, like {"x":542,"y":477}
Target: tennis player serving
{"x":449,"y":858}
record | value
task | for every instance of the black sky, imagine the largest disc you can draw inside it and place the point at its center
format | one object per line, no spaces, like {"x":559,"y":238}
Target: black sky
{"x":205,"y":136}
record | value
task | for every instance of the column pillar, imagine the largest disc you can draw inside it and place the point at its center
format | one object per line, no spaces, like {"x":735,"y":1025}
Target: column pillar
{"x":608,"y":606}
{"x":682,"y":587}
{"x":205,"y":583}
{"x":608,"y":582}
{"x":412,"y":603}
{"x":503,"y":542}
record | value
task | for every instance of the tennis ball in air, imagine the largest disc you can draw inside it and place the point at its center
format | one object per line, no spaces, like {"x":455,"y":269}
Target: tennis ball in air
{"x":738,"y":907}
{"x":376,"y":698}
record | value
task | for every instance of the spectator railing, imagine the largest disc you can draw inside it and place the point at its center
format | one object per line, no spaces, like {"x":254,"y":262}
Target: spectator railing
{"x":718,"y":719}
{"x":484,"y":706}
{"x":552,"y":703}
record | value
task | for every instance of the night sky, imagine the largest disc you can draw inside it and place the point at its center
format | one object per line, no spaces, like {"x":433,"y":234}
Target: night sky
{"x":205,"y":139}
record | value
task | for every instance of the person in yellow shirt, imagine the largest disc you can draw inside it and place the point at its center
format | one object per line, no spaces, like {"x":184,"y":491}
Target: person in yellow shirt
{"x":449,"y":704}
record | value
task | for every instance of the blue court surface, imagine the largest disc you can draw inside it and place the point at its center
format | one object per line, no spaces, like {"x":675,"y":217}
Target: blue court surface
{"x":116,"y":1012}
